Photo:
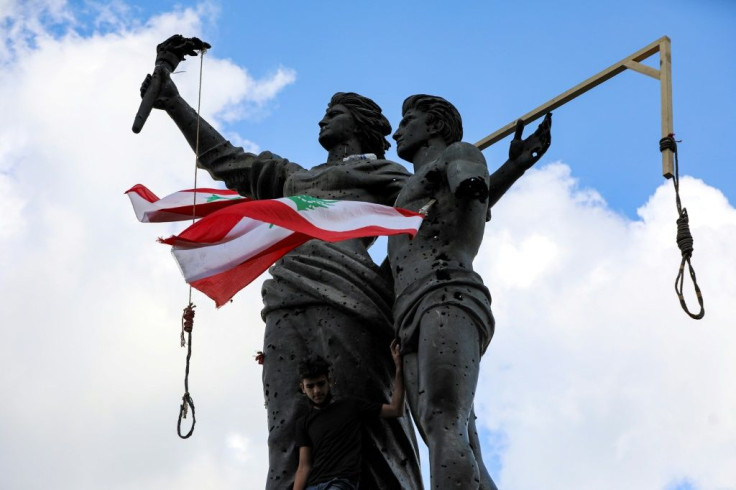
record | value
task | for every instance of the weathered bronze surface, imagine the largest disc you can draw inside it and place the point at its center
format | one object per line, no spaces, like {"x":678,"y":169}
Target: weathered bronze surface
{"x":329,"y":299}
{"x":332,"y":300}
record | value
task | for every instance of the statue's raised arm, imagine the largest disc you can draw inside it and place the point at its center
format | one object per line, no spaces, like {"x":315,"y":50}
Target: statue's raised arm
{"x":259,"y":176}
{"x":169,"y":54}
{"x":523,"y":154}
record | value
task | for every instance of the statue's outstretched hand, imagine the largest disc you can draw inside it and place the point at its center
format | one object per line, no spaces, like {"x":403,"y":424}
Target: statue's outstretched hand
{"x":528,"y":152}
{"x":158,"y":90}
{"x":172,"y":50}
{"x":168,"y":56}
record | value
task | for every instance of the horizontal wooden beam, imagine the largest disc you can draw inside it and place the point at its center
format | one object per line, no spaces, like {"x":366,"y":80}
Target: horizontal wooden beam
{"x":630,"y":62}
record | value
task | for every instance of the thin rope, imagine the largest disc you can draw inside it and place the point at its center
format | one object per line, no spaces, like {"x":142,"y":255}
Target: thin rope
{"x":684,"y":237}
{"x":196,"y":148}
{"x":187,"y":319}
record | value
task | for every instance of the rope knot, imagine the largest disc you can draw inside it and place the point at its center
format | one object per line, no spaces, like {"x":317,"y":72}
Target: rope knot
{"x":187,"y":318}
{"x":184,"y":402}
{"x":668,"y":143}
{"x":684,"y":237}
{"x":260,"y":357}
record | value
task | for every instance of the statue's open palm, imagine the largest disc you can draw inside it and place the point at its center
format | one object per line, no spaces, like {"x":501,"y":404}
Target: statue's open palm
{"x":528,"y":152}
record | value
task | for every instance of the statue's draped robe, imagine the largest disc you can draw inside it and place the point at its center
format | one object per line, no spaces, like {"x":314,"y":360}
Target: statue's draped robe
{"x":328,"y":299}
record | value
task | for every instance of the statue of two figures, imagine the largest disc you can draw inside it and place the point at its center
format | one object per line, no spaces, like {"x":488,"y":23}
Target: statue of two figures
{"x":332,"y":300}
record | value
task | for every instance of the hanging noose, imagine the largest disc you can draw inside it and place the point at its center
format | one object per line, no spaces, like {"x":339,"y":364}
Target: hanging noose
{"x":684,"y":237}
{"x":187,"y":323}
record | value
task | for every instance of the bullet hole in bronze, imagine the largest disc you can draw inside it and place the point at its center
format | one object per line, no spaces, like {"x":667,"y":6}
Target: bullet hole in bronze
{"x":442,"y":275}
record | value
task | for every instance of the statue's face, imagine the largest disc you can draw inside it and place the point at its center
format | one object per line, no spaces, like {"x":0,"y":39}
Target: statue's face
{"x":337,"y":127}
{"x":316,"y":389}
{"x":413,"y":133}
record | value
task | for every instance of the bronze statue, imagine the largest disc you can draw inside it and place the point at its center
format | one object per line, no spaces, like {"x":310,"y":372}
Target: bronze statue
{"x":442,"y":309}
{"x":329,"y":299}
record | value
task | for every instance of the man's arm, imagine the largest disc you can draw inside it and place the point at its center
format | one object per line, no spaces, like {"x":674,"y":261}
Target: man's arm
{"x":396,"y":407}
{"x":522,"y":155}
{"x":305,"y":466}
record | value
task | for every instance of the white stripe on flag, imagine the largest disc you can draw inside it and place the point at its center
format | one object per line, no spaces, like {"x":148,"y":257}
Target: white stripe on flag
{"x":206,"y":260}
{"x":351,"y":215}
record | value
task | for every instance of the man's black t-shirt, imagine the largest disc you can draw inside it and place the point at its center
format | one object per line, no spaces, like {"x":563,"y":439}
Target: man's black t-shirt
{"x":334,"y":434}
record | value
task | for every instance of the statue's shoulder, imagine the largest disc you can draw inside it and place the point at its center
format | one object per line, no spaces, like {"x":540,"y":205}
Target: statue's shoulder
{"x":393,"y":166}
{"x":270,"y":160}
{"x":463,"y":151}
{"x":378,"y":166}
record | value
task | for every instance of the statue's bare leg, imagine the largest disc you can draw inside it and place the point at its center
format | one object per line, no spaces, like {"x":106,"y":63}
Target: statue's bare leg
{"x":411,"y":373}
{"x":441,"y":383}
{"x":486,"y":482}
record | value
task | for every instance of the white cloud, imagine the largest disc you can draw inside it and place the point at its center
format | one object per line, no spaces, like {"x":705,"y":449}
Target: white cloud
{"x":240,"y":447}
{"x":250,"y":95}
{"x":12,"y":210}
{"x":595,"y":376}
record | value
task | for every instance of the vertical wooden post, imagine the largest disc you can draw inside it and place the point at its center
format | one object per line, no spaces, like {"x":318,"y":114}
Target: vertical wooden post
{"x":665,"y":82}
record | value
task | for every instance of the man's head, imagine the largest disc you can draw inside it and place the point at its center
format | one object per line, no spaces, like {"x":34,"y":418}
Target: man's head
{"x":425,"y":117}
{"x":351,"y":114}
{"x":314,"y":379}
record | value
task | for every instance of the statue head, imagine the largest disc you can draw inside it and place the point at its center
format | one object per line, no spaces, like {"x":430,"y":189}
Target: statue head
{"x":425,"y":117}
{"x":369,"y":125}
{"x":314,"y":379}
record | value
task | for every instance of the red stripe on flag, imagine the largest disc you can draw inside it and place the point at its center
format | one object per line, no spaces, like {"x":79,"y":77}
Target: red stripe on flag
{"x":144,"y":192}
{"x":202,"y":209}
{"x":406,"y":212}
{"x":223,"y":286}
{"x":224,"y":192}
{"x":212,"y":228}
{"x":149,"y":196}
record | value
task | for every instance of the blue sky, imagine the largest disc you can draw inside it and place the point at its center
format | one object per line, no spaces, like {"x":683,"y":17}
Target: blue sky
{"x":594,"y":379}
{"x":496,"y":61}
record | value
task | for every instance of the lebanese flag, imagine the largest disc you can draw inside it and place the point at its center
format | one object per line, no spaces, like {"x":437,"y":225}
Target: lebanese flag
{"x":225,"y":251}
{"x":179,"y":206}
